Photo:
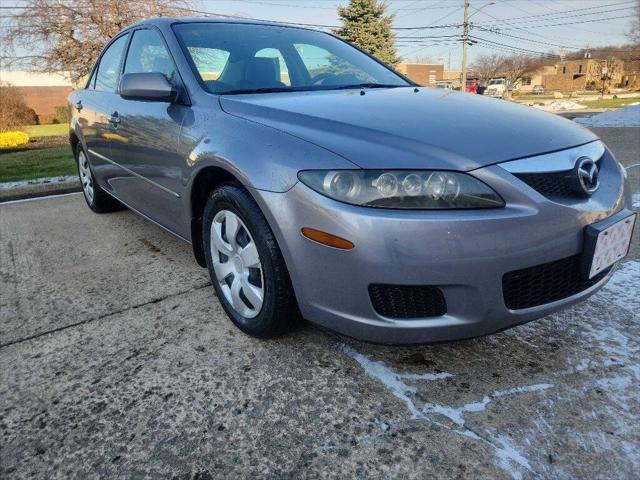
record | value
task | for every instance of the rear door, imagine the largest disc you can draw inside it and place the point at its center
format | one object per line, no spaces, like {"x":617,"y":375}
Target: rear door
{"x":148,"y":133}
{"x":95,"y":109}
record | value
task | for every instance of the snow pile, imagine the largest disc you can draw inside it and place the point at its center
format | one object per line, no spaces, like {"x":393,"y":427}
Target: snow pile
{"x":560,"y":106}
{"x":625,"y":117}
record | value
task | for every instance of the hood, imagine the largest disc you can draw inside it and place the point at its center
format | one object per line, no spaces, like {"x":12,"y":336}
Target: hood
{"x":400,"y":128}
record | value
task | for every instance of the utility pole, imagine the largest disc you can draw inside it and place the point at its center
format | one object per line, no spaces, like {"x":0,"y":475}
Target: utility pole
{"x":465,"y":40}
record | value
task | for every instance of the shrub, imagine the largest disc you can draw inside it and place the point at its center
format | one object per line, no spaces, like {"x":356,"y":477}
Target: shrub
{"x":14,"y":112}
{"x":13,"y":139}
{"x":61,"y":115}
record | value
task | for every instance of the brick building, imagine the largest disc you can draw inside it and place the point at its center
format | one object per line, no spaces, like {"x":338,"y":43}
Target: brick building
{"x":576,"y":75}
{"x":422,"y":73}
{"x":40,"y":91}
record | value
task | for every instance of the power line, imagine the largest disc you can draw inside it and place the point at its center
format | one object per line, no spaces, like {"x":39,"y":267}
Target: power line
{"x":568,"y":12}
{"x":520,"y":22}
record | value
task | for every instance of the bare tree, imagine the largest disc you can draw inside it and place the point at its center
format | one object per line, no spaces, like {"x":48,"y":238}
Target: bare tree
{"x":487,"y":66}
{"x":634,"y":33}
{"x":515,"y":67}
{"x":68,"y":35}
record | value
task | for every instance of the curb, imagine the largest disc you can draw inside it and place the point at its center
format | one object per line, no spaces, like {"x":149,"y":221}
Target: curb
{"x":40,"y":190}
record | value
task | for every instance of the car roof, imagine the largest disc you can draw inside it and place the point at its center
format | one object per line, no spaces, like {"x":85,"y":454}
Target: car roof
{"x":166,"y":21}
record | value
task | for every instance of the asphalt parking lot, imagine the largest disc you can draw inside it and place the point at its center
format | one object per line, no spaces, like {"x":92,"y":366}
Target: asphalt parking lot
{"x":116,"y":360}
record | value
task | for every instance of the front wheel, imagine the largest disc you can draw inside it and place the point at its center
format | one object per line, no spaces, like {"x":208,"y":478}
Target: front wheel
{"x":245,"y":264}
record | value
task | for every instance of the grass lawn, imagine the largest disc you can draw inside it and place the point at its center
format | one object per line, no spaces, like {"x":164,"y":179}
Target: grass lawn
{"x":53,"y":130}
{"x":543,"y":96}
{"x":610,"y":102}
{"x":30,"y":164}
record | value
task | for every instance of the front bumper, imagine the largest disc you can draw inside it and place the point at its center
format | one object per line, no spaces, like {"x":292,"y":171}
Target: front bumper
{"x":465,"y":253}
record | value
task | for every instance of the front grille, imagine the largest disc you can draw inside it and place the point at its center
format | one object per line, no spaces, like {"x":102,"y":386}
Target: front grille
{"x":407,"y":301}
{"x":545,"y":283}
{"x":552,"y":184}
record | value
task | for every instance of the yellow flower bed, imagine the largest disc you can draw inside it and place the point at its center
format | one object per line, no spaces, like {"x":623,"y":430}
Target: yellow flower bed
{"x":13,"y":139}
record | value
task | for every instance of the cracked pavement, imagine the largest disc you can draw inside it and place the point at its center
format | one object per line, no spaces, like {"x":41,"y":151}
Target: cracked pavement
{"x":116,"y":360}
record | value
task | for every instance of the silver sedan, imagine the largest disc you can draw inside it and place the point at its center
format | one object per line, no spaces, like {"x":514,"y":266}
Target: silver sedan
{"x":314,"y":181}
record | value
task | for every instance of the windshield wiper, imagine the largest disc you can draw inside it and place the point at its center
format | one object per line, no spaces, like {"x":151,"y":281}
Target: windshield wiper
{"x":366,"y":85}
{"x":257,"y":90}
{"x":307,"y":88}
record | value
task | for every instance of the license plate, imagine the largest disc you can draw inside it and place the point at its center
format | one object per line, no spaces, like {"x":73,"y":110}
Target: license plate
{"x":607,"y":242}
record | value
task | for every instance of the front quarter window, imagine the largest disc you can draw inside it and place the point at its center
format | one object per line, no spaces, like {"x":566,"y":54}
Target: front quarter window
{"x":271,"y":58}
{"x":147,"y":53}
{"x":108,"y":72}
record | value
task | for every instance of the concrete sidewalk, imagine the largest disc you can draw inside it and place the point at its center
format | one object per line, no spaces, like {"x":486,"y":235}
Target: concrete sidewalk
{"x":116,"y":360}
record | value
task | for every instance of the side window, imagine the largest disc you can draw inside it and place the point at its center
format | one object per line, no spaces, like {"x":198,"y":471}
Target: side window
{"x":210,"y":62}
{"x":148,"y":53}
{"x":319,"y":61}
{"x":91,"y":84}
{"x":279,"y":62}
{"x":109,"y":68}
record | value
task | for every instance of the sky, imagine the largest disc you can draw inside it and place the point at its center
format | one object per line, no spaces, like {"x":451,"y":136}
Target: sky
{"x":531,"y":25}
{"x":499,"y":26}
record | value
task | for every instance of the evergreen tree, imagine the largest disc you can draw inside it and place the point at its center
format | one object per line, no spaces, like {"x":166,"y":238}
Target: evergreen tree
{"x":365,"y":24}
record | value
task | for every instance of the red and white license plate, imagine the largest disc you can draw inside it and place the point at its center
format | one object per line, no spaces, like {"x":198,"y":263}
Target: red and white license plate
{"x":607,"y":242}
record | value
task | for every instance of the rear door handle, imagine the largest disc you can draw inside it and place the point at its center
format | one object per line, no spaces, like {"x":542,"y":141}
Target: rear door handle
{"x":115,"y":119}
{"x":78,"y":105}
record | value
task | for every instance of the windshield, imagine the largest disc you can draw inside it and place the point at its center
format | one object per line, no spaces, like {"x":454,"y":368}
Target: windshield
{"x":233,"y":58}
{"x":496,"y":82}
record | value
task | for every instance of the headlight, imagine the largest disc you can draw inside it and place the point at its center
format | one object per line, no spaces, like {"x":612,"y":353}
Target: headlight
{"x":420,"y":189}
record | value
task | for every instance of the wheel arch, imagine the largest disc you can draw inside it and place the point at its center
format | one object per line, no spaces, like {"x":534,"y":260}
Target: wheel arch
{"x":205,"y":181}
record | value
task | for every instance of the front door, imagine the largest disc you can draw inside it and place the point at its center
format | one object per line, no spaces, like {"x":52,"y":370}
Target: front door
{"x":145,"y":138}
{"x":94,"y":113}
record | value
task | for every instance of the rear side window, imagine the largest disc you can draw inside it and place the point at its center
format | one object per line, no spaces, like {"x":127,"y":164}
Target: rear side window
{"x":148,"y":53}
{"x":210,"y":62}
{"x":109,"y":67}
{"x":282,"y":73}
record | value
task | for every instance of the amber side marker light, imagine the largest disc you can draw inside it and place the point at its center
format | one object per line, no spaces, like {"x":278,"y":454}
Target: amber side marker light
{"x":327,"y":239}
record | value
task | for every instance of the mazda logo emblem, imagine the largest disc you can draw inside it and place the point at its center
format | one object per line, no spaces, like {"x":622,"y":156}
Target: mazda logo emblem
{"x":587,"y":175}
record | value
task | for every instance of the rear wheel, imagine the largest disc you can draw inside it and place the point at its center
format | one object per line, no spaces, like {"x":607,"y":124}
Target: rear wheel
{"x":98,"y":200}
{"x":245,"y":264}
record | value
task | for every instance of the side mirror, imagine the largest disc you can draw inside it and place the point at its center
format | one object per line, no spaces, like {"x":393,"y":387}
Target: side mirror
{"x":152,"y":86}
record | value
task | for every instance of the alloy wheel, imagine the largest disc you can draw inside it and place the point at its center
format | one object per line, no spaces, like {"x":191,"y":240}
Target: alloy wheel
{"x":236,"y":263}
{"x":85,"y":176}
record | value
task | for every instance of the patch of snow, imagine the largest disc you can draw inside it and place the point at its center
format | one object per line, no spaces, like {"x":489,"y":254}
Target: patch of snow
{"x":507,"y":455}
{"x":622,"y":289}
{"x":539,"y":387}
{"x":560,"y":106}
{"x":624,"y":117}
{"x":389,"y":378}
{"x":37,"y":181}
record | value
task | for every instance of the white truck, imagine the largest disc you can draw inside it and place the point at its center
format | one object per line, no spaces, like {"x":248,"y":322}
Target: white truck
{"x":498,"y":87}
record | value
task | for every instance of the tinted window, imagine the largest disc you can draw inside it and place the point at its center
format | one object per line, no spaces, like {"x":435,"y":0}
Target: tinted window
{"x":273,"y":58}
{"x":282,"y":73}
{"x":319,"y":61}
{"x":92,"y":81}
{"x":109,"y":67}
{"x":148,"y":53}
{"x":210,"y":62}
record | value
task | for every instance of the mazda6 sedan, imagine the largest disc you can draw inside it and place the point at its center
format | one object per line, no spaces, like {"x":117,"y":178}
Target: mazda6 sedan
{"x":314,"y":181}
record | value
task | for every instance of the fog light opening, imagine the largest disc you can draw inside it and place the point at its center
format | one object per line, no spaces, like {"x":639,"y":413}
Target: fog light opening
{"x":327,"y":239}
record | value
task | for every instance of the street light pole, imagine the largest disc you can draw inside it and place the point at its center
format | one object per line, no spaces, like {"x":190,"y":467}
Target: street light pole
{"x":465,"y":41}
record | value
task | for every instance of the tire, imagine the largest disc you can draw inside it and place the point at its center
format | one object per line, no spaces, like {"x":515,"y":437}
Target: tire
{"x":97,"y":199}
{"x":228,"y":268}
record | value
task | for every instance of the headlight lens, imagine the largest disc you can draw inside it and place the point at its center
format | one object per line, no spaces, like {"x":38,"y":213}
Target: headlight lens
{"x":419,"y":190}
